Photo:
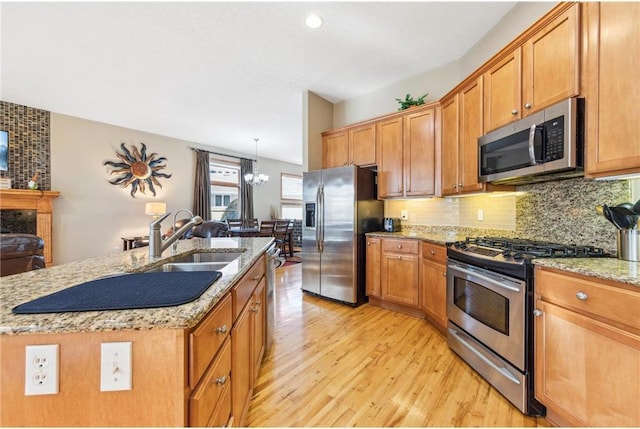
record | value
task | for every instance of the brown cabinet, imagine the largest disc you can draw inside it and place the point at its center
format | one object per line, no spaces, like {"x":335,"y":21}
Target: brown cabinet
{"x":373,"y":267}
{"x":542,"y":71}
{"x":587,"y":350}
{"x":612,"y":87}
{"x":258,"y":326}
{"x":399,"y":282}
{"x":433,"y":284}
{"x":390,"y":162}
{"x":350,"y":146}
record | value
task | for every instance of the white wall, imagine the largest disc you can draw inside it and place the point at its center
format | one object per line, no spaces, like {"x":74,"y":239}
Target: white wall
{"x":91,"y":215}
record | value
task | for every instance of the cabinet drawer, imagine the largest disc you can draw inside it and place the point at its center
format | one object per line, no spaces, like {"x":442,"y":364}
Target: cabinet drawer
{"x":204,"y":399}
{"x":434,"y":252}
{"x":206,"y":339}
{"x":401,"y":246}
{"x":245,"y":287}
{"x":609,"y":302}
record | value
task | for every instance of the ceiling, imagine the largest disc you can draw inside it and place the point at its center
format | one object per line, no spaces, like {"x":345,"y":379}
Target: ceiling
{"x":223,"y":73}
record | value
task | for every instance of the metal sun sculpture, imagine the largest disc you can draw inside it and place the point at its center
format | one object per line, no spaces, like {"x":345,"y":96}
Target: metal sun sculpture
{"x":137,"y":169}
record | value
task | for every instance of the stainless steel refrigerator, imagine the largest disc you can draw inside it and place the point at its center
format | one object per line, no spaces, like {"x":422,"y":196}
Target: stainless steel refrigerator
{"x":340,"y":206}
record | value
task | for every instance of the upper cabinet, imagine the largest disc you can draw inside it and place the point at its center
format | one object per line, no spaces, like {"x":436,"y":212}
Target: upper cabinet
{"x":612,"y":56}
{"x":408,"y":153}
{"x":350,"y":146}
{"x":541,"y":71}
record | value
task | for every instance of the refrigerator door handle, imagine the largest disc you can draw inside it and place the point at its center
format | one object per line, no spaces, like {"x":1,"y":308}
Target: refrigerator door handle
{"x":317,"y":218}
{"x":321,"y":219}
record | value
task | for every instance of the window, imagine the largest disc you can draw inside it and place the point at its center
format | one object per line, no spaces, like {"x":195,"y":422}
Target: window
{"x":225,"y":189}
{"x":291,"y":196}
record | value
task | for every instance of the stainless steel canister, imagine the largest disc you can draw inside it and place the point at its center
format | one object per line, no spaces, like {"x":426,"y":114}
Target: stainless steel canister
{"x":629,"y":244}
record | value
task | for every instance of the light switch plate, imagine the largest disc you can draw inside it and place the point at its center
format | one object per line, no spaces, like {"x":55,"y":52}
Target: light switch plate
{"x":115,"y":366}
{"x":404,"y":215}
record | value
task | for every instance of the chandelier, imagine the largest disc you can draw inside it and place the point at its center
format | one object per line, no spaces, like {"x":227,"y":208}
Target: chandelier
{"x":256,"y":178}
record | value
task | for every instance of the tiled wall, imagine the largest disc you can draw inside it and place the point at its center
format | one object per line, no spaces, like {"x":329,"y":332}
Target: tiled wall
{"x":29,"y":146}
{"x":561,"y":211}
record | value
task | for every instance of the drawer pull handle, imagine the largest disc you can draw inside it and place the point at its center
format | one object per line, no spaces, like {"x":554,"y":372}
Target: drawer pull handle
{"x":221,"y":329}
{"x":582,"y":296}
{"x":220,"y":381}
{"x":537,"y":312}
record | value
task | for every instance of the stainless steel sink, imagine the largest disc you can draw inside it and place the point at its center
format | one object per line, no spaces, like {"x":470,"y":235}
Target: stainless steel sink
{"x":204,"y":261}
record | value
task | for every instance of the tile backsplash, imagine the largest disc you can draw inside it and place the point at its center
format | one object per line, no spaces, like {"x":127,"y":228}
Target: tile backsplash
{"x":561,"y":211}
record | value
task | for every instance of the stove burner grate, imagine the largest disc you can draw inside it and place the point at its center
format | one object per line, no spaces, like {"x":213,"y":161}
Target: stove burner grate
{"x":539,"y":249}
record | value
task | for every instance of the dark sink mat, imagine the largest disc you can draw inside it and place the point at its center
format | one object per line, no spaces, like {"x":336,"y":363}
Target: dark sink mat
{"x":129,"y":291}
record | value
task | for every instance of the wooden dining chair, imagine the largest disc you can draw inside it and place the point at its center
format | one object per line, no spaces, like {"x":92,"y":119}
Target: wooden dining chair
{"x":281,"y":234}
{"x":234,"y":223}
{"x":252,"y":223}
{"x":266,"y":228}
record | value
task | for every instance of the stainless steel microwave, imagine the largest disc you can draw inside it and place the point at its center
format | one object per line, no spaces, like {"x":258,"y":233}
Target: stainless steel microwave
{"x":547,"y":145}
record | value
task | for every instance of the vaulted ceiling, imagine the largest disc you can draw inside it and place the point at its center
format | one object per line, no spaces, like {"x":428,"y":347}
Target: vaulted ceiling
{"x":222,"y":73}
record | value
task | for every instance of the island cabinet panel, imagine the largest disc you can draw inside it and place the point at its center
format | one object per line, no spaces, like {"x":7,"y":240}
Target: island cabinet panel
{"x":205,"y":399}
{"x":158,"y":397}
{"x":335,"y":149}
{"x":373,"y":267}
{"x":258,"y":327}
{"x":612,"y":58}
{"x":241,"y":292}
{"x":206,"y":339}
{"x":587,"y":350}
{"x":241,"y":373}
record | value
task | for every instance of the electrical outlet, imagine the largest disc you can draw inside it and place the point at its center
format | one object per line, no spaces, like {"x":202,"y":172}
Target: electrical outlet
{"x":115,"y":366}
{"x":41,"y":370}
{"x":404,"y":215}
{"x":480,"y":214}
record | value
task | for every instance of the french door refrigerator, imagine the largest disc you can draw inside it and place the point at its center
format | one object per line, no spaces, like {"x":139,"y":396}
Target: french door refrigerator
{"x":340,"y":206}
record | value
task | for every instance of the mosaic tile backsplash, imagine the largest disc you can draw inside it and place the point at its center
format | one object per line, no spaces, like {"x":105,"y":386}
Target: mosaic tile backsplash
{"x":29,"y":144}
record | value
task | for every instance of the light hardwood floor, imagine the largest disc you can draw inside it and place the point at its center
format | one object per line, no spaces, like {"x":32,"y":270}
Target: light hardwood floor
{"x":334,"y":365}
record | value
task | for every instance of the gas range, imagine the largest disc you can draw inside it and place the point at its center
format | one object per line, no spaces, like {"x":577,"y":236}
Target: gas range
{"x":500,"y":253}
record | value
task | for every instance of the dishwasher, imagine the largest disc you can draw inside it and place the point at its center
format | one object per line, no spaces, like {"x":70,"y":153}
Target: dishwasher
{"x":273,"y":261}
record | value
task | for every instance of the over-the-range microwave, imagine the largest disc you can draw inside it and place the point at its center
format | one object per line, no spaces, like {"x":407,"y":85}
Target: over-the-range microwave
{"x":547,"y":145}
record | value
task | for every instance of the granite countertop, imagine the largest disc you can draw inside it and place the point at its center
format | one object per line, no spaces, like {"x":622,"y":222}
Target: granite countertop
{"x":21,"y":288}
{"x":601,"y":268}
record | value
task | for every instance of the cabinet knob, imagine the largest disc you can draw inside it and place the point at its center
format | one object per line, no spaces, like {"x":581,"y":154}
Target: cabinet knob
{"x":256,"y":278}
{"x":514,"y":112}
{"x":582,"y":296}
{"x":444,"y":274}
{"x":368,"y":243}
{"x":537,"y":312}
{"x":399,"y":246}
{"x":258,"y":302}
{"x":527,"y":105}
{"x":254,"y":309}
{"x":400,"y":258}
{"x":455,"y":186}
{"x":460,"y":184}
{"x":220,"y":381}
{"x":433,"y":252}
{"x":221,"y":329}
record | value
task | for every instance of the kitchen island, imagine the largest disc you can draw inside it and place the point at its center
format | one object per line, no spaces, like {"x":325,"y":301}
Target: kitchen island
{"x":173,"y":348}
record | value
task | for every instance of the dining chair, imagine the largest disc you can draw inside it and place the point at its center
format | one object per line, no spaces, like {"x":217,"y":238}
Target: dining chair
{"x":252,"y":223}
{"x":234,"y":223}
{"x":266,"y":228}
{"x":280,"y":232}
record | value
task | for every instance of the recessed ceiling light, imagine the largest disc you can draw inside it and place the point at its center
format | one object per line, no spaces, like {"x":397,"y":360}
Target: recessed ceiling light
{"x":313,"y":21}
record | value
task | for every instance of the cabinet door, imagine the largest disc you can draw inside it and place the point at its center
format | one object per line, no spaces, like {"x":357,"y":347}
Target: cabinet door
{"x":400,"y":281}
{"x":389,"y":138}
{"x":373,"y":267}
{"x":335,"y":149}
{"x":551,"y":62}
{"x":586,"y":371}
{"x":502,"y":91}
{"x":450,"y":124}
{"x":362,"y":145}
{"x":258,"y":325}
{"x":434,"y":292}
{"x":420,"y":150}
{"x":241,"y":366}
{"x":613,"y":88}
{"x":470,"y":129}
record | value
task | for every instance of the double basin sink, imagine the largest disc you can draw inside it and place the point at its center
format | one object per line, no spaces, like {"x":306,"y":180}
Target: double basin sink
{"x":203,"y":261}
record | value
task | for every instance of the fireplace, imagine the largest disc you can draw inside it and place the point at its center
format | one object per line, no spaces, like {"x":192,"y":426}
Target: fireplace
{"x":20,"y":208}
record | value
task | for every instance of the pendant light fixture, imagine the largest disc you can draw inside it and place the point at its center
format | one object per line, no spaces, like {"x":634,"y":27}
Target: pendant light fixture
{"x":256,"y":178}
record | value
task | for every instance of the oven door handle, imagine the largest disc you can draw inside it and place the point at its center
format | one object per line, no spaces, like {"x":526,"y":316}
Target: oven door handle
{"x":487,"y":279}
{"x":504,"y":371}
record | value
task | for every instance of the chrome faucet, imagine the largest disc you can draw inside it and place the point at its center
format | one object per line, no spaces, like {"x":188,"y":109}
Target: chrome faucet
{"x":156,"y":244}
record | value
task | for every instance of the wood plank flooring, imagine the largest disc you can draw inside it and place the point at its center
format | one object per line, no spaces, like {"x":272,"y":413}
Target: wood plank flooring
{"x":334,"y":365}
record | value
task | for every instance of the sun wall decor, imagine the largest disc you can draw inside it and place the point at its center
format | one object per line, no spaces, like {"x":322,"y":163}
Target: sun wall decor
{"x":137,"y":169}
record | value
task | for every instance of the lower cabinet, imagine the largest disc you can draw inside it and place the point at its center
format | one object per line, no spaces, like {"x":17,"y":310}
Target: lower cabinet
{"x":433,"y":284}
{"x":587,"y":351}
{"x":399,"y":280}
{"x":258,"y":328}
{"x":241,"y":366}
{"x":373,"y":267}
